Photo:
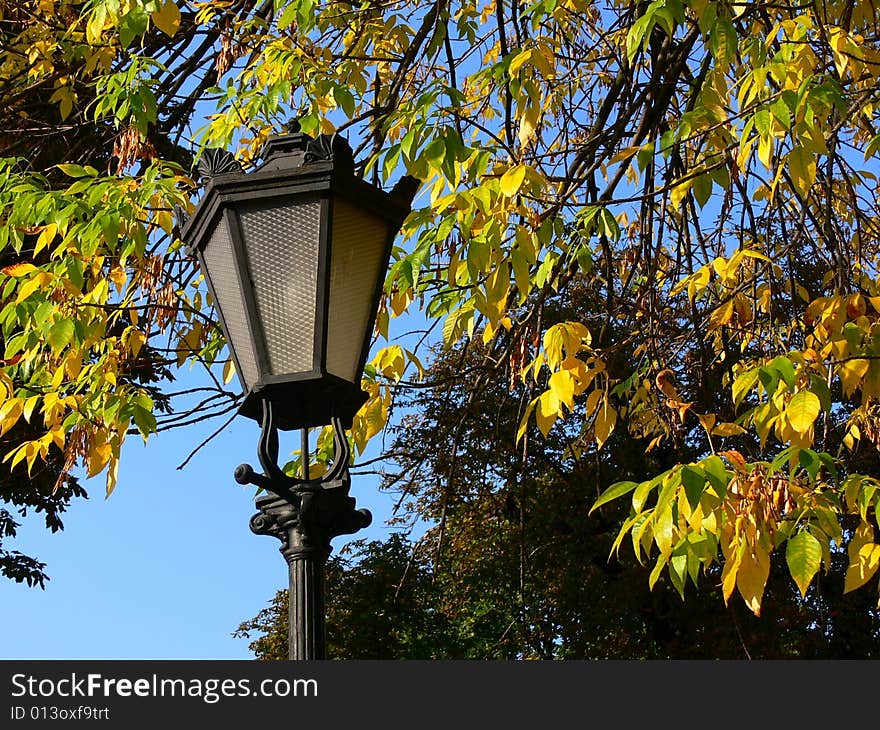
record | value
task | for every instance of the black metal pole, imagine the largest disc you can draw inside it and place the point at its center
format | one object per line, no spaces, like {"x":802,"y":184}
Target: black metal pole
{"x":305,"y":515}
{"x":307,"y":637}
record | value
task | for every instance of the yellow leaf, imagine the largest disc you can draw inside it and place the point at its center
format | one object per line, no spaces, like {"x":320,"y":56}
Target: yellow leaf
{"x":112,"y":475}
{"x":851,"y":373}
{"x":46,"y":237}
{"x":95,"y":25}
{"x":26,"y":289}
{"x":517,"y":62}
{"x":707,"y":421}
{"x":97,"y":458}
{"x":57,"y":435}
{"x":16,"y":455}
{"x":488,"y":332}
{"x":751,"y":578}
{"x":119,"y":277}
{"x":699,"y":281}
{"x":802,"y":410}
{"x":624,"y":154}
{"x":228,"y":371}
{"x":765,"y":151}
{"x":524,"y":423}
{"x":135,"y":340}
{"x":728,"y":574}
{"x":592,"y":401}
{"x":391,"y":361}
{"x":728,"y":429}
{"x":528,"y":123}
{"x":73,"y":364}
{"x":21,"y":269}
{"x":29,"y":406}
{"x":606,"y":418}
{"x":678,"y":193}
{"x":32,"y":449}
{"x":547,"y":411}
{"x":165,"y":220}
{"x":167,"y":18}
{"x":663,"y":532}
{"x":562,"y":385}
{"x":864,"y":558}
{"x":802,"y":168}
{"x":512,"y":180}
{"x":721,"y":315}
{"x":10,"y":413}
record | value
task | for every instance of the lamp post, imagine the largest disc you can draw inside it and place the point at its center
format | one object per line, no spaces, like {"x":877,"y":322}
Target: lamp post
{"x":294,"y":253}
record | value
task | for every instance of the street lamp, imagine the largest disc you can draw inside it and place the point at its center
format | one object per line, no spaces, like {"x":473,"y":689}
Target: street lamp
{"x":295,"y":254}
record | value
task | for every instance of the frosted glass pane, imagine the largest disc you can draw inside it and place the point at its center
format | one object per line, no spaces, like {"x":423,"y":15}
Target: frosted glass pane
{"x":281,"y":245}
{"x":220,"y":262}
{"x":358,"y":249}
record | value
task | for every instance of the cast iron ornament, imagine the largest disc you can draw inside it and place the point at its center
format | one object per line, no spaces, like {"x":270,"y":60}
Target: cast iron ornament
{"x":215,"y":161}
{"x":304,"y":514}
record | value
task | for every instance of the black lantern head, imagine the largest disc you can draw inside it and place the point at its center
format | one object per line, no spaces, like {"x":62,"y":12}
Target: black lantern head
{"x":295,"y":254}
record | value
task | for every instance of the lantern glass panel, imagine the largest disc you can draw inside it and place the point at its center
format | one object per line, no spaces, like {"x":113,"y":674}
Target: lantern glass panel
{"x":358,"y":254}
{"x":281,"y":246}
{"x":219,"y":259}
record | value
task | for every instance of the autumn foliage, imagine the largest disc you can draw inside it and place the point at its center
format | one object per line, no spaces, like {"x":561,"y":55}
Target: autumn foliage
{"x":706,"y":169}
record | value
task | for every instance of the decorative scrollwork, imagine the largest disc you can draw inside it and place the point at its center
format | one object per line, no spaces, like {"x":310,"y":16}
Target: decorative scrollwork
{"x":327,"y":147}
{"x":217,"y":162}
{"x":263,"y":524}
{"x":305,"y":514}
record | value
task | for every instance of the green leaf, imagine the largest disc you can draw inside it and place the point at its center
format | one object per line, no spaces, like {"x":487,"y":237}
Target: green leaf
{"x":811,"y":463}
{"x":637,"y":34}
{"x":345,"y":99}
{"x":288,"y":16}
{"x":717,"y":473}
{"x":785,"y":368}
{"x":144,"y":420}
{"x":435,"y":152}
{"x":820,"y":388}
{"x":76,"y":171}
{"x":702,"y":188}
{"x":694,"y":481}
{"x":132,"y":24}
{"x":640,"y":496}
{"x":804,"y":556}
{"x":722,"y":42}
{"x":521,"y":270}
{"x":677,"y":568}
{"x":60,"y":334}
{"x":455,"y":324}
{"x":616,"y":490}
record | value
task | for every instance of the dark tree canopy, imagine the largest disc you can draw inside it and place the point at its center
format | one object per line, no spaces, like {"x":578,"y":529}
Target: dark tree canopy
{"x":509,"y":567}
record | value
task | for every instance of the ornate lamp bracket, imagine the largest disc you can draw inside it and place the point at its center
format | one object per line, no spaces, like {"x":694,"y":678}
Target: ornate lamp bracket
{"x":305,"y":514}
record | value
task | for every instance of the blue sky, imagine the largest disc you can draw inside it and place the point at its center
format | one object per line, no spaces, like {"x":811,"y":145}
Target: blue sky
{"x":166,"y":567}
